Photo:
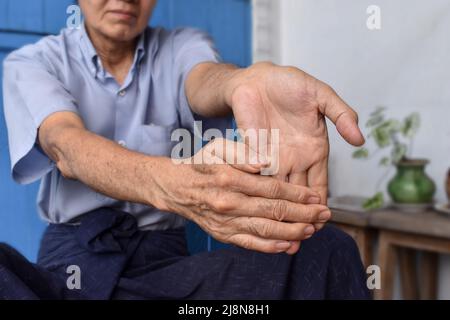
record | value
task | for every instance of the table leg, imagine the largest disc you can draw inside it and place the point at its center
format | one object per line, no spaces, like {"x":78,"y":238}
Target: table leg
{"x":408,"y":273}
{"x":365,"y":243}
{"x":386,"y":261}
{"x":429,"y":270}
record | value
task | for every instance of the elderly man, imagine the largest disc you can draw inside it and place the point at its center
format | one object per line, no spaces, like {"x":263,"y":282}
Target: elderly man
{"x":91,"y":111}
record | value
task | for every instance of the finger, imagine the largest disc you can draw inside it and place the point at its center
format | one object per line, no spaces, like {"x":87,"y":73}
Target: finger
{"x":267,"y":187}
{"x":265,"y":142}
{"x":281,"y":210}
{"x":344,"y":117}
{"x":318,"y":179}
{"x":251,"y":242}
{"x":295,"y":246}
{"x":269,"y":229}
{"x":319,"y":226}
{"x":301,"y":179}
{"x":281,"y":177}
{"x":237,"y":154}
{"x":298,"y":178}
{"x":273,"y":154}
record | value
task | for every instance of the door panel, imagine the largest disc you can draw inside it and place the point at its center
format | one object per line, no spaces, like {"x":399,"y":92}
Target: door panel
{"x":227,"y":21}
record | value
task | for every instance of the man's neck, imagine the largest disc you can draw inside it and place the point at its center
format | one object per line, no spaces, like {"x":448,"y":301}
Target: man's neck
{"x":116,"y":56}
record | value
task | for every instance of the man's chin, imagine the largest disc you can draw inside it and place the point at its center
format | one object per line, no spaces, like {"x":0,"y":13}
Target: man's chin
{"x":121,"y":32}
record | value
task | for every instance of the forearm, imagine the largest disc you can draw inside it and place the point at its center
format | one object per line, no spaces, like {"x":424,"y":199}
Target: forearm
{"x":209,"y":87}
{"x":103,"y":165}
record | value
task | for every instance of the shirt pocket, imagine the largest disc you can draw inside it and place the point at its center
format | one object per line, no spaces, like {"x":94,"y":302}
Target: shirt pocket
{"x":155,"y":140}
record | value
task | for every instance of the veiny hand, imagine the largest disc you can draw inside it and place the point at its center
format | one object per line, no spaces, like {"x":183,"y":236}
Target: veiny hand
{"x":266,"y":96}
{"x":236,"y":205}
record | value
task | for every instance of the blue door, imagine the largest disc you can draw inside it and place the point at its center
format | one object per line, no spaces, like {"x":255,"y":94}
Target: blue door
{"x":25,"y":21}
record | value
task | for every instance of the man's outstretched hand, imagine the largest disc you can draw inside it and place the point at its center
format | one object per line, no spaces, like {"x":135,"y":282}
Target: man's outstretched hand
{"x":266,"y":96}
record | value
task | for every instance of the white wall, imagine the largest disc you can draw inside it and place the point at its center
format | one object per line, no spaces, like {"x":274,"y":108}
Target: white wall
{"x":404,"y":66}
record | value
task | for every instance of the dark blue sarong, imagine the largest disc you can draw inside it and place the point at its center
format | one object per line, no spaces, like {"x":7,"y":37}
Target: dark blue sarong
{"x":118,"y":261}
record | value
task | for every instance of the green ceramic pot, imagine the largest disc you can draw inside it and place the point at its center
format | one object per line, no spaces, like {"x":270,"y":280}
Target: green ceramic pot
{"x":411,"y":184}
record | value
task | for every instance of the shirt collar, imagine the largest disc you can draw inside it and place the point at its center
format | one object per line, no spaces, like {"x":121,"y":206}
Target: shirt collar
{"x":140,"y":49}
{"x":90,"y":54}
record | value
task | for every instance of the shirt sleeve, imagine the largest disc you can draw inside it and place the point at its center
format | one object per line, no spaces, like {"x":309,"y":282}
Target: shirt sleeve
{"x":31,"y":93}
{"x":192,"y":47}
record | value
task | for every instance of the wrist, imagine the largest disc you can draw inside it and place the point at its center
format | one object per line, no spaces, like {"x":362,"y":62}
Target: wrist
{"x":244,"y":81}
{"x":155,"y":170}
{"x":167,"y":189}
{"x":233,"y":82}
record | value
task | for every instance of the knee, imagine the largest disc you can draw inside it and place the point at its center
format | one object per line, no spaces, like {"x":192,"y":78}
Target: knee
{"x":332,"y":234}
{"x":5,"y":253}
{"x":3,"y":249}
{"x":341,"y":247}
{"x":330,"y":239}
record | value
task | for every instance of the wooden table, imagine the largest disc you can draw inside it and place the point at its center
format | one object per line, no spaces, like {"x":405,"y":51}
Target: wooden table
{"x":401,"y":236}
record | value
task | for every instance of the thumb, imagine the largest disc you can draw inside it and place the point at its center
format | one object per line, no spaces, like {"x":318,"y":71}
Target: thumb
{"x":344,"y":117}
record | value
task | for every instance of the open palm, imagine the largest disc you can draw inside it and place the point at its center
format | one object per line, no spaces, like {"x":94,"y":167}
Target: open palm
{"x":295,"y":103}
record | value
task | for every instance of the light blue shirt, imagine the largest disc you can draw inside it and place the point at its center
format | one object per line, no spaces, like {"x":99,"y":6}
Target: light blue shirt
{"x":64,"y":73}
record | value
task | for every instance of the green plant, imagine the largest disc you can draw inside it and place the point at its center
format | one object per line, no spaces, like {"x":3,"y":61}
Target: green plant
{"x":374,"y":202}
{"x":388,"y":134}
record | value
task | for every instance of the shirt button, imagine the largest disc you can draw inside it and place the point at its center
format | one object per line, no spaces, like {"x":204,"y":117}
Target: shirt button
{"x":122,"y":93}
{"x":122,"y":143}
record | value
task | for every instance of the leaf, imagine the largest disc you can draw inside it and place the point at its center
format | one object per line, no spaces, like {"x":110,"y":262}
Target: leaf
{"x":375,"y":202}
{"x":374,"y":121}
{"x":398,"y":152}
{"x":386,"y":161}
{"x":378,"y":111}
{"x":381,"y":137}
{"x":361,"y":153}
{"x":411,"y":125}
{"x":392,"y":125}
{"x":383,"y":133}
{"x":376,"y":117}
